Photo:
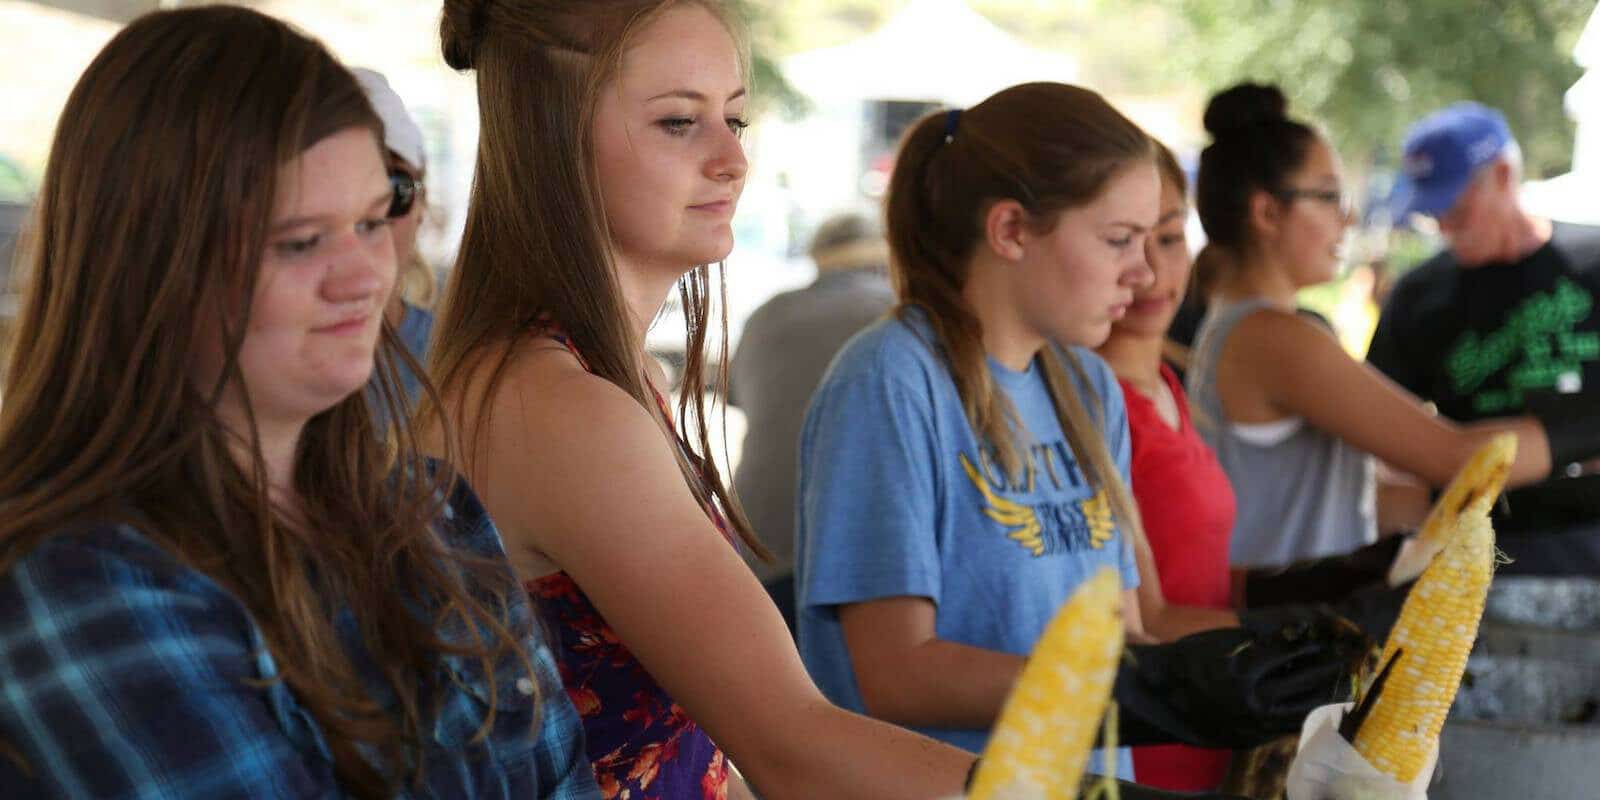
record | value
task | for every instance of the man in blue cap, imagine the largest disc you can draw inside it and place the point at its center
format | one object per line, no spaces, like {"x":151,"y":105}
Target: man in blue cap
{"x":1502,"y":323}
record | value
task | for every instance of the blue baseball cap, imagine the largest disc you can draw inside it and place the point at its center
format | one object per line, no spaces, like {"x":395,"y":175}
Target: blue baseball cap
{"x":1441,"y":155}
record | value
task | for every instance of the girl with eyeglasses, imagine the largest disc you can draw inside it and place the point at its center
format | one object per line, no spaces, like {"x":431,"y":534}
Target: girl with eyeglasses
{"x":1294,"y":420}
{"x":215,"y":579}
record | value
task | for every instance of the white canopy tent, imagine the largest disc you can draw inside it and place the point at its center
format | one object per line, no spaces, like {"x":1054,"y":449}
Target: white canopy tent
{"x":934,"y":50}
{"x":1583,"y":99}
{"x":113,"y":10}
{"x":1575,"y":196}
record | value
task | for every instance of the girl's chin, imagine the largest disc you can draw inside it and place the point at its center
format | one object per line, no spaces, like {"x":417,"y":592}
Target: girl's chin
{"x":1318,"y":276}
{"x":1089,"y":335}
{"x":1141,"y":327}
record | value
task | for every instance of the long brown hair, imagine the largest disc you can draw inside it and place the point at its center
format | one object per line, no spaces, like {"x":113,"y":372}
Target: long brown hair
{"x":1050,"y":147}
{"x":153,"y":217}
{"x":537,"y":241}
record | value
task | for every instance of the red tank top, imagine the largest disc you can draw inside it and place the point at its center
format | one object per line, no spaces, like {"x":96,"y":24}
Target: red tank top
{"x":1188,"y":510}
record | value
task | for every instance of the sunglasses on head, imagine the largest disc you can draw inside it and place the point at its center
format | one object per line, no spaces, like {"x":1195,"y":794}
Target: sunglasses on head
{"x":406,"y":188}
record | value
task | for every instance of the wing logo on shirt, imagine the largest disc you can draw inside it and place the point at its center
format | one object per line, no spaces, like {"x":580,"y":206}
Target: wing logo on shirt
{"x":1097,"y":513}
{"x":1021,"y":523}
{"x":1064,"y":527}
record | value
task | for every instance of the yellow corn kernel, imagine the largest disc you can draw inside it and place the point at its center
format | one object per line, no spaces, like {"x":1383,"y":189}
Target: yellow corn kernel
{"x":1473,"y":490}
{"x":1435,"y":631}
{"x":1042,"y":739}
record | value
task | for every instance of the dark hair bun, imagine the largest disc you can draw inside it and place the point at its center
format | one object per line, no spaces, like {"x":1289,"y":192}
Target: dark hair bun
{"x":1246,"y":105}
{"x":460,"y":31}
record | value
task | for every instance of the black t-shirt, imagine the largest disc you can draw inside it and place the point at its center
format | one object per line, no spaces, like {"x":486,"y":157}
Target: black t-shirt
{"x":1477,"y":341}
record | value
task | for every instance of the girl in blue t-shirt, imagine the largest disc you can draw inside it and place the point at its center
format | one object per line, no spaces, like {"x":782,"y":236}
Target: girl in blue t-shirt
{"x":955,"y":485}
{"x":964,"y":464}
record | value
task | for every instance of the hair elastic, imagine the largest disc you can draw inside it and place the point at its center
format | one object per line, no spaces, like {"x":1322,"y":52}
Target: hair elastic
{"x":951,"y":119}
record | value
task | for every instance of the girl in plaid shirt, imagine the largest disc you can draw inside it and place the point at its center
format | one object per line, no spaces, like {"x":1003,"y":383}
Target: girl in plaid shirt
{"x":219,"y":575}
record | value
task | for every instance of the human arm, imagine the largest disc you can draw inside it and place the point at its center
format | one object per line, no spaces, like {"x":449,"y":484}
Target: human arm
{"x":909,"y":676}
{"x":1300,"y":370}
{"x":1403,"y":501}
{"x":605,"y":501}
{"x":1163,"y":621}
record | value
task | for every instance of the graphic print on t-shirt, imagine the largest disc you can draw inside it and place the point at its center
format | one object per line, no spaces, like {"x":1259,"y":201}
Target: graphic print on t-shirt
{"x":1043,"y":528}
{"x":1542,"y":333}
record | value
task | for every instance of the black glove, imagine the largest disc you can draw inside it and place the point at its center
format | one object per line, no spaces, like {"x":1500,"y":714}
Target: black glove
{"x":1375,"y":608}
{"x":1234,"y":688}
{"x":1296,"y":621}
{"x":1133,"y":791}
{"x":1370,"y":610}
{"x":1571,"y":424}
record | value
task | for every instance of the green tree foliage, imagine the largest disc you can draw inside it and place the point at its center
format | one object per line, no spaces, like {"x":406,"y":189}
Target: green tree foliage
{"x":768,"y":32}
{"x":1368,"y":68}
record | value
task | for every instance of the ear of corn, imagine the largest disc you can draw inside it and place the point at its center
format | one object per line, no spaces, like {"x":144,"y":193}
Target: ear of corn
{"x":1435,"y":632}
{"x":1042,"y":739}
{"x":1473,"y":490}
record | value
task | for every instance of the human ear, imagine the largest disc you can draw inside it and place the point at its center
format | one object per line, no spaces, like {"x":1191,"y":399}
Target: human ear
{"x":1265,"y":212}
{"x":1005,"y":229}
{"x":1503,"y":174}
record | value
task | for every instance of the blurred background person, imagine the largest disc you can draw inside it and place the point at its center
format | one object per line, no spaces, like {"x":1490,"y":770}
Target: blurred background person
{"x":786,"y":346}
{"x":1501,"y":322}
{"x":1294,"y":420}
{"x":408,"y":310}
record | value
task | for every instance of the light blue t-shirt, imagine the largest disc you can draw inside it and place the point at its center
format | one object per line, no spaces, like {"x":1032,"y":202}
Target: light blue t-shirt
{"x":416,"y":330}
{"x":897,"y":498}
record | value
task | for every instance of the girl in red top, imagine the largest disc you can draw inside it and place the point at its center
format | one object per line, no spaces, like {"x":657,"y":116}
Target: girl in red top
{"x":1182,"y":493}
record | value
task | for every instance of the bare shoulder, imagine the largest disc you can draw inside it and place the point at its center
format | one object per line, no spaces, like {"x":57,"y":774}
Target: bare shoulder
{"x":1269,"y":334}
{"x":533,"y":423}
{"x":1266,"y":323}
{"x":545,"y":388}
{"x":1272,"y":352}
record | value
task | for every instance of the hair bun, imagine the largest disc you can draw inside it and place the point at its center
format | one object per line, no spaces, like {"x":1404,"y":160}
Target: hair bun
{"x":461,"y":29}
{"x":1245,"y":106}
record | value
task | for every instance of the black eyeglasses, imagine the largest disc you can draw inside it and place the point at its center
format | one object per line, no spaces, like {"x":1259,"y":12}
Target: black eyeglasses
{"x":1333,"y":197}
{"x":406,"y":189}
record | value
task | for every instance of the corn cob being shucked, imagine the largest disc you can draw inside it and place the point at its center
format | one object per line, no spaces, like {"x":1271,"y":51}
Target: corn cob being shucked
{"x":1042,"y":739}
{"x":1473,"y":490}
{"x":1434,"y":635}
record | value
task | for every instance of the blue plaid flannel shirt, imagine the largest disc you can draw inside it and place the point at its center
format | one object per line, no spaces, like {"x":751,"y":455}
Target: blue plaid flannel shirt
{"x":124,"y":673}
